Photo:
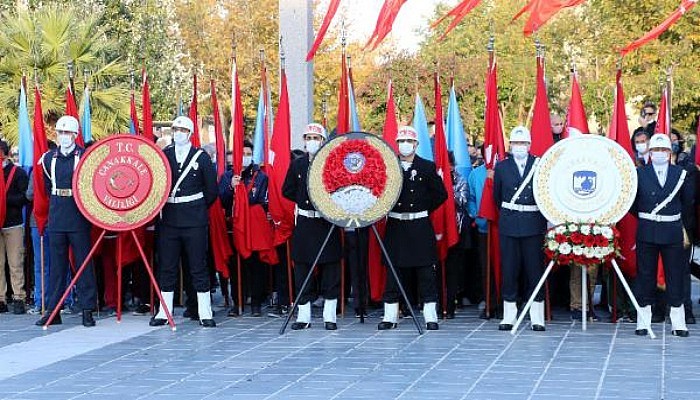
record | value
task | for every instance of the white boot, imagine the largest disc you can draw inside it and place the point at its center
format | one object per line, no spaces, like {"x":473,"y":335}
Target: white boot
{"x":168,"y":300}
{"x":537,"y":315}
{"x":430,"y":312}
{"x":391,"y":312}
{"x":329,"y":310}
{"x":204,"y":309}
{"x":678,"y":327}
{"x":643,"y":320}
{"x":304,"y":314}
{"x":510,"y":315}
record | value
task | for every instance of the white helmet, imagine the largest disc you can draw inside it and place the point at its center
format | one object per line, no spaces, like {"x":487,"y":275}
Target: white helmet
{"x":315,"y":129}
{"x":660,"y":141}
{"x":520,"y":134}
{"x":407,"y":133}
{"x":183,"y":122}
{"x":67,"y":123}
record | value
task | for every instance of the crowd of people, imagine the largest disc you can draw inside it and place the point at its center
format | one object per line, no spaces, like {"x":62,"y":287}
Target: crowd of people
{"x":665,"y":208}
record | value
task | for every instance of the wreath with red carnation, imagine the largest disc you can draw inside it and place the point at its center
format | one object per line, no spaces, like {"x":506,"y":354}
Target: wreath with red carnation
{"x":356,"y":162}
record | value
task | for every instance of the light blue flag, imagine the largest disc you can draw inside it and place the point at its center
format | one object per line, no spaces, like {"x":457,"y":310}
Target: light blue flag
{"x":259,"y":136}
{"x":354,"y":117}
{"x":420,"y":124}
{"x":86,"y":120}
{"x":26,"y":141}
{"x":457,"y":142}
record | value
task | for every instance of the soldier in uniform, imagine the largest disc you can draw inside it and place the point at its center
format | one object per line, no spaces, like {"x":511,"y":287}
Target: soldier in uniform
{"x":67,"y":226}
{"x":310,"y":231}
{"x":410,"y":239}
{"x":521,"y":231}
{"x":664,"y":205}
{"x":184,"y":223}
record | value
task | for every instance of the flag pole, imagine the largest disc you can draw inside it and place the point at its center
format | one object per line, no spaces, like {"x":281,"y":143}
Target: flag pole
{"x":491,"y":50}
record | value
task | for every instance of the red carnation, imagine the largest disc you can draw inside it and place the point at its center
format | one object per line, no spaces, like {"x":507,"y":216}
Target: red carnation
{"x":601,"y":241}
{"x":589,"y":241}
{"x":560,"y":238}
{"x":372,"y":175}
{"x":564,"y":259}
{"x":576,"y":238}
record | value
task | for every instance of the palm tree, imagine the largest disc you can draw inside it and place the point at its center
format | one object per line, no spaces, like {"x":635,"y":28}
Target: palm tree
{"x":41,"y":44}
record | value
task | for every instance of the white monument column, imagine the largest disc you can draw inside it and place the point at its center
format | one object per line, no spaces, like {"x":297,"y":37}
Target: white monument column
{"x":297,"y":31}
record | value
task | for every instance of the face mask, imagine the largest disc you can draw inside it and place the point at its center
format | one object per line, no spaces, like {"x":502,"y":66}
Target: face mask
{"x":247,"y":160}
{"x":181,"y":138}
{"x":312,"y":146}
{"x":406,"y":148}
{"x":65,"y":141}
{"x":641,"y":148}
{"x":519,"y":151}
{"x":675,"y":148}
{"x":659,"y":157}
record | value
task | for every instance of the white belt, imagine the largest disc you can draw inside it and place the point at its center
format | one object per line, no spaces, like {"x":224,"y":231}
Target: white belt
{"x":62,"y":192}
{"x":408,"y":216}
{"x":659,"y":218}
{"x":185,"y":199}
{"x":308,"y":213}
{"x":519,"y":207}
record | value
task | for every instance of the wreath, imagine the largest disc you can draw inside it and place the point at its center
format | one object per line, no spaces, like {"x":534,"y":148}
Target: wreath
{"x":584,"y":244}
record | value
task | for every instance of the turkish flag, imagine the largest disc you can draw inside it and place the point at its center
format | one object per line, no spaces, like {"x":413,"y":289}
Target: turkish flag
{"x":458,"y":13}
{"x":343,"y":121}
{"x":146,"y":108}
{"x":332,"y":9}
{"x":542,"y":11}
{"x":385,"y":21}
{"x":41,"y":146}
{"x":663,"y":122}
{"x":194,"y":138}
{"x":685,"y":6}
{"x":576,"y":120}
{"x":72,"y":110}
{"x":541,"y":127}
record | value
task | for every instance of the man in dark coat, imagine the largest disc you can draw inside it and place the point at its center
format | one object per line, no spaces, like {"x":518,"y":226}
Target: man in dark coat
{"x":664,"y":205}
{"x":67,"y":226}
{"x":521,"y":229}
{"x":184,"y":224}
{"x":310,"y":231}
{"x":410,"y":238}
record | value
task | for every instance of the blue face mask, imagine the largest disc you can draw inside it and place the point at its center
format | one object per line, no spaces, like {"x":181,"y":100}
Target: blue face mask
{"x":676,"y":147}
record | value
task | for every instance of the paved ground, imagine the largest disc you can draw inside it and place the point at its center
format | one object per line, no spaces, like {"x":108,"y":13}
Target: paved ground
{"x":246,"y":358}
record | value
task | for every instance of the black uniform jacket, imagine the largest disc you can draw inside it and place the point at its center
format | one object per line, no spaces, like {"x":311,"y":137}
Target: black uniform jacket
{"x":200,"y":179}
{"x":650,"y":194}
{"x":506,"y":182}
{"x":412,"y":243}
{"x":16,"y":195}
{"x":64,"y":215}
{"x":309,"y":233}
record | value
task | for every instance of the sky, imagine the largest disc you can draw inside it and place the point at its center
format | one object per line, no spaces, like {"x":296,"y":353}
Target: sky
{"x":361,"y":18}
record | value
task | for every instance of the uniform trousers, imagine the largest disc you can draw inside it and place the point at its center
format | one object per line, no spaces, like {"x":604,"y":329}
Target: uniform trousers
{"x":675,"y":270}
{"x":330,"y":281}
{"x":357,"y":241}
{"x":427,"y":284}
{"x":521,"y":255}
{"x":189,"y":242}
{"x":256,"y":274}
{"x":79,"y":242}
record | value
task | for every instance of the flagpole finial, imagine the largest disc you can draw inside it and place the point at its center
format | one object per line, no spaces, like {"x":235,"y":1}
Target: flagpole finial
{"x":349,"y":60}
{"x":262,"y":55}
{"x":36,"y":75}
{"x":70,"y":69}
{"x":86,"y":75}
{"x":491,"y":46}
{"x":234,"y":45}
{"x":283,"y":56}
{"x":132,"y":75}
{"x":619,"y":62}
{"x":343,"y":34}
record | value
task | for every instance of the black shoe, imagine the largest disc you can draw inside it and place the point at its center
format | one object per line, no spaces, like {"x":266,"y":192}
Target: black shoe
{"x":233,"y":312}
{"x":157,"y":321}
{"x":505,"y":327}
{"x":386,"y":325}
{"x":88,"y":321}
{"x":208,"y":323}
{"x":192,"y":314}
{"x":331,"y":326}
{"x":641,"y":332}
{"x":3,"y":308}
{"x":142,"y":309}
{"x":357,"y":313}
{"x":657,"y":318}
{"x":432,"y":326}
{"x":55,"y":321}
{"x":680,"y":333}
{"x":256,"y":311}
{"x":18,"y":307}
{"x":297,"y":326}
{"x":538,"y":328}
{"x":689,"y":317}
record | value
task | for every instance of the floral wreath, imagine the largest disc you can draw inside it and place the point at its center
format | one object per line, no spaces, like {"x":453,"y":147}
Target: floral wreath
{"x":356,"y":162}
{"x":583,"y":244}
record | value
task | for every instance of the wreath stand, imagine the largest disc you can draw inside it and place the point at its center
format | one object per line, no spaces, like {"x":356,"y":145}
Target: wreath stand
{"x":584,"y":297}
{"x":315,"y":264}
{"x":147,"y":265}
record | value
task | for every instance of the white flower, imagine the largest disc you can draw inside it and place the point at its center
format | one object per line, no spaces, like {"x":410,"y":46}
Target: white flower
{"x":596,"y":229}
{"x":607,"y":232}
{"x":572,"y":227}
{"x":560,"y":229}
{"x":578,"y":250}
{"x":588,"y":252}
{"x":565,"y":248}
{"x":586,"y":229}
{"x":552,"y":245}
{"x":551,"y":234}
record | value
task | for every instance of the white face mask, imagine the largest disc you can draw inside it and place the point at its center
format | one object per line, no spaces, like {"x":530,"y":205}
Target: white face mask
{"x":65,"y":141}
{"x":641,"y":148}
{"x":406,"y":148}
{"x":181,"y":138}
{"x":659,"y":157}
{"x":312,"y":146}
{"x":247,"y":160}
{"x":519,"y":151}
